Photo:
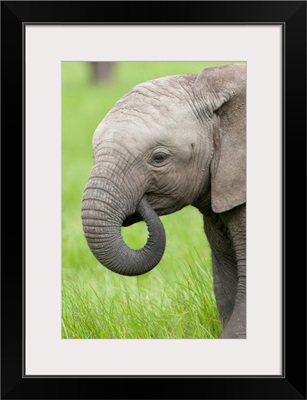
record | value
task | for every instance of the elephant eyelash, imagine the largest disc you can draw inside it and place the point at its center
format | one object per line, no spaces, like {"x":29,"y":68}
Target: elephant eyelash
{"x":160,"y":158}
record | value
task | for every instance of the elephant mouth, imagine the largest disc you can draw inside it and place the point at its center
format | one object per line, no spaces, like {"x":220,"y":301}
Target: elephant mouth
{"x":160,"y":211}
{"x":136,"y":217}
{"x":132,"y":219}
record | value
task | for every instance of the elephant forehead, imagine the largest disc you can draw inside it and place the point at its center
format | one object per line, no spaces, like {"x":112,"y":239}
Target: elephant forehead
{"x":134,"y":129}
{"x":149,"y":101}
{"x":152,"y":111}
{"x":137,"y":119}
{"x":139,"y":127}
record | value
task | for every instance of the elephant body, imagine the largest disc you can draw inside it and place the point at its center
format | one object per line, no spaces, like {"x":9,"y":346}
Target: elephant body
{"x":168,"y":143}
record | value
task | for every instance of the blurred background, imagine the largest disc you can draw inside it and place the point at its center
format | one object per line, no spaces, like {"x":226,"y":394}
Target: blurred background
{"x":175,"y":299}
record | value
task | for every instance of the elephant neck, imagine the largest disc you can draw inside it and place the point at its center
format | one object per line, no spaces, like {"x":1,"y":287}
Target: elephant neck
{"x":203,"y":201}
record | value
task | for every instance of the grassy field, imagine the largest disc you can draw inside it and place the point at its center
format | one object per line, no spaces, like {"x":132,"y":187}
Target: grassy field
{"x":175,"y":300}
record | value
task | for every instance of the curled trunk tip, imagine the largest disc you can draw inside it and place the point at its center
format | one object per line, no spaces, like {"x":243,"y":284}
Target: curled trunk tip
{"x":108,"y":246}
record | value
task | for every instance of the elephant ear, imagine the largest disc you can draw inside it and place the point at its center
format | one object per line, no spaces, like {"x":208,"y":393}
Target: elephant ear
{"x":223,"y":90}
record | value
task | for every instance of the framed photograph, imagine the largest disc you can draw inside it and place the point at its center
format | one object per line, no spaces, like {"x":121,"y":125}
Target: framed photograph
{"x":76,"y":76}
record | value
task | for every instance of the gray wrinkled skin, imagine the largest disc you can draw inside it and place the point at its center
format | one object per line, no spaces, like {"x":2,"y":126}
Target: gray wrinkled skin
{"x":171,"y":142}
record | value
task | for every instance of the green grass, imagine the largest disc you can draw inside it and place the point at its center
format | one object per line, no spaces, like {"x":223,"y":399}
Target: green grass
{"x":117,"y":308}
{"x":175,"y":299}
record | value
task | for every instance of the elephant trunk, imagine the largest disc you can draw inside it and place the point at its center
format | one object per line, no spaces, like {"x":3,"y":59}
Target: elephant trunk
{"x":103,"y":214}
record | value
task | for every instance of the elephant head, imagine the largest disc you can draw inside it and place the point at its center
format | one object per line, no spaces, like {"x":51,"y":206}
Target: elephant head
{"x":168,"y":143}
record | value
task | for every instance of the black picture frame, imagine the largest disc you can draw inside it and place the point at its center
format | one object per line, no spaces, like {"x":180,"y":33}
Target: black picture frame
{"x":14,"y":17}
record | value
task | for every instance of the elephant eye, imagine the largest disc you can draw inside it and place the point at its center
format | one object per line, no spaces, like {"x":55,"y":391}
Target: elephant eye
{"x":158,"y":158}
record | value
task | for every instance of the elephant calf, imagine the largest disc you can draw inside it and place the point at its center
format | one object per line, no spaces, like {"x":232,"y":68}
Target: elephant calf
{"x":171,"y":142}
